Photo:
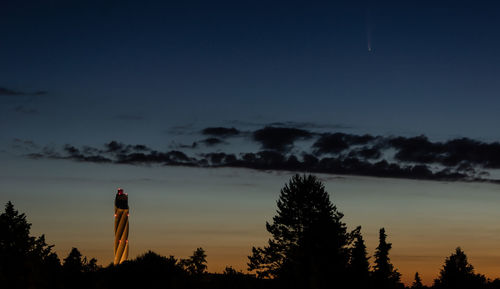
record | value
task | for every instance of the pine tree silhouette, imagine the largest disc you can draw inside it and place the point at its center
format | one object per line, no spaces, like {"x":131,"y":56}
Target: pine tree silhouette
{"x":359,"y":265}
{"x":458,"y":273}
{"x":197,"y":263}
{"x":25,"y":261}
{"x":308,"y":248}
{"x":385,"y":276}
{"x":418,"y":282}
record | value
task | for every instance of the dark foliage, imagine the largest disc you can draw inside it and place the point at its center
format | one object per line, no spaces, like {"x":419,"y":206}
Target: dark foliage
{"x":417,"y":284}
{"x":359,"y":266}
{"x":457,"y":273}
{"x":308,"y":248}
{"x":151,"y":270}
{"x":197,"y":263}
{"x":25,"y":261}
{"x":77,"y":271}
{"x":384,"y":274}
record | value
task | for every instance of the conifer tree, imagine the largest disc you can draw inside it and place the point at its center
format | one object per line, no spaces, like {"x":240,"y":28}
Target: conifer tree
{"x":25,"y":261}
{"x":197,"y":263}
{"x":359,"y":266}
{"x":308,"y":248}
{"x":74,"y":262}
{"x":457,"y":273}
{"x":385,"y":276}
{"x":417,"y":283}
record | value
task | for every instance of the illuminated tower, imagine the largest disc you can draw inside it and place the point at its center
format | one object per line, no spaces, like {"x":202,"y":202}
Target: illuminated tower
{"x":121,"y":227}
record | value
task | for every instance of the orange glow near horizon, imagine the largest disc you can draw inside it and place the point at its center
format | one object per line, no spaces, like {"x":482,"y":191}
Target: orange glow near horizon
{"x":219,"y":256}
{"x":176,"y":210}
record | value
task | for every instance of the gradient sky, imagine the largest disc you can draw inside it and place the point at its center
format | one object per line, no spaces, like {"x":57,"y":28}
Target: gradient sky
{"x":88,"y":72}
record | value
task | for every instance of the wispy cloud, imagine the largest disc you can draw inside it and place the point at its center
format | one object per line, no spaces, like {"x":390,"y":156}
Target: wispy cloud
{"x":10,"y":92}
{"x":129,"y":117}
{"x":330,"y":153}
{"x":25,"y":110}
{"x":220,"y":131}
{"x":279,"y":138}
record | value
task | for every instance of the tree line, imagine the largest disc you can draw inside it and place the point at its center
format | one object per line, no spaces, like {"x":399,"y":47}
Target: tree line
{"x":309,"y":248}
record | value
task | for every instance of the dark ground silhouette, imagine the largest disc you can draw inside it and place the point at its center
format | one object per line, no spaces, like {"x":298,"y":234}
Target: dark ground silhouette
{"x":309,"y":248}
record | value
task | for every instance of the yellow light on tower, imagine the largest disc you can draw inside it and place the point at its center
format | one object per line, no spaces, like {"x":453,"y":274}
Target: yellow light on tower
{"x":121,"y":227}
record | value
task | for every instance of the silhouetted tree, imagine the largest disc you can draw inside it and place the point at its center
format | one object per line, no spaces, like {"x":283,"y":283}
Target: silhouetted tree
{"x":359,"y":267}
{"x":25,"y":261}
{"x":91,"y":266}
{"x":417,"y":283}
{"x":78,"y":272}
{"x":384,"y":274}
{"x":197,"y":263}
{"x":230,"y":271}
{"x":148,"y":270}
{"x":73,"y":264}
{"x":308,"y":248}
{"x":494,"y":284}
{"x":458,"y":273}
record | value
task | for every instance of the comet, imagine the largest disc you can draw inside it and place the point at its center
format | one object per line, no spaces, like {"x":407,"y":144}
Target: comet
{"x":368,"y":31}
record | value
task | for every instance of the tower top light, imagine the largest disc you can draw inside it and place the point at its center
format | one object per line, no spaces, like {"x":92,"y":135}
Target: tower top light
{"x":121,"y":199}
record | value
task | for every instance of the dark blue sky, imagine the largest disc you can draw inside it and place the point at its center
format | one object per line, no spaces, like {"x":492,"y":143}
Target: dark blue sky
{"x":146,"y":66}
{"x":156,"y":73}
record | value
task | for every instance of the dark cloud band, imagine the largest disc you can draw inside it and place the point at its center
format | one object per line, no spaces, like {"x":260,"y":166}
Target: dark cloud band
{"x":332,"y":153}
{"x":10,"y":92}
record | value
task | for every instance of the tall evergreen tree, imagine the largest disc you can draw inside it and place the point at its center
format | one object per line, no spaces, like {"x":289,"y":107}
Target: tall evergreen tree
{"x":197,"y":263}
{"x":417,"y":284}
{"x":77,"y":270}
{"x":308,"y":248}
{"x":457,"y":273}
{"x":385,"y":276}
{"x":359,"y":266}
{"x":25,"y":261}
{"x":74,"y":262}
{"x":73,"y":267}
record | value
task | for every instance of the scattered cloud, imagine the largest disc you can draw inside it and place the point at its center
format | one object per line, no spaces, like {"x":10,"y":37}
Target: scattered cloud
{"x":366,"y":153}
{"x":456,"y":152}
{"x":293,"y":124}
{"x":20,"y":101}
{"x":262,"y":160}
{"x":25,"y":110}
{"x":330,"y":153}
{"x":220,"y":131}
{"x":337,"y":142}
{"x":308,"y":125}
{"x":22,"y":144}
{"x":10,"y":92}
{"x":211,"y":141}
{"x":129,"y":117}
{"x":279,"y":138}
{"x":180,"y":129}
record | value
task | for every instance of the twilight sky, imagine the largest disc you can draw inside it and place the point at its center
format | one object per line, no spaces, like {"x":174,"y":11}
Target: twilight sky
{"x":81,"y":74}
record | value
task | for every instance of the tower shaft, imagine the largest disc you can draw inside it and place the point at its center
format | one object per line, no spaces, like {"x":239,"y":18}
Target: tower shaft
{"x":121,"y":227}
{"x":121,"y":235}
